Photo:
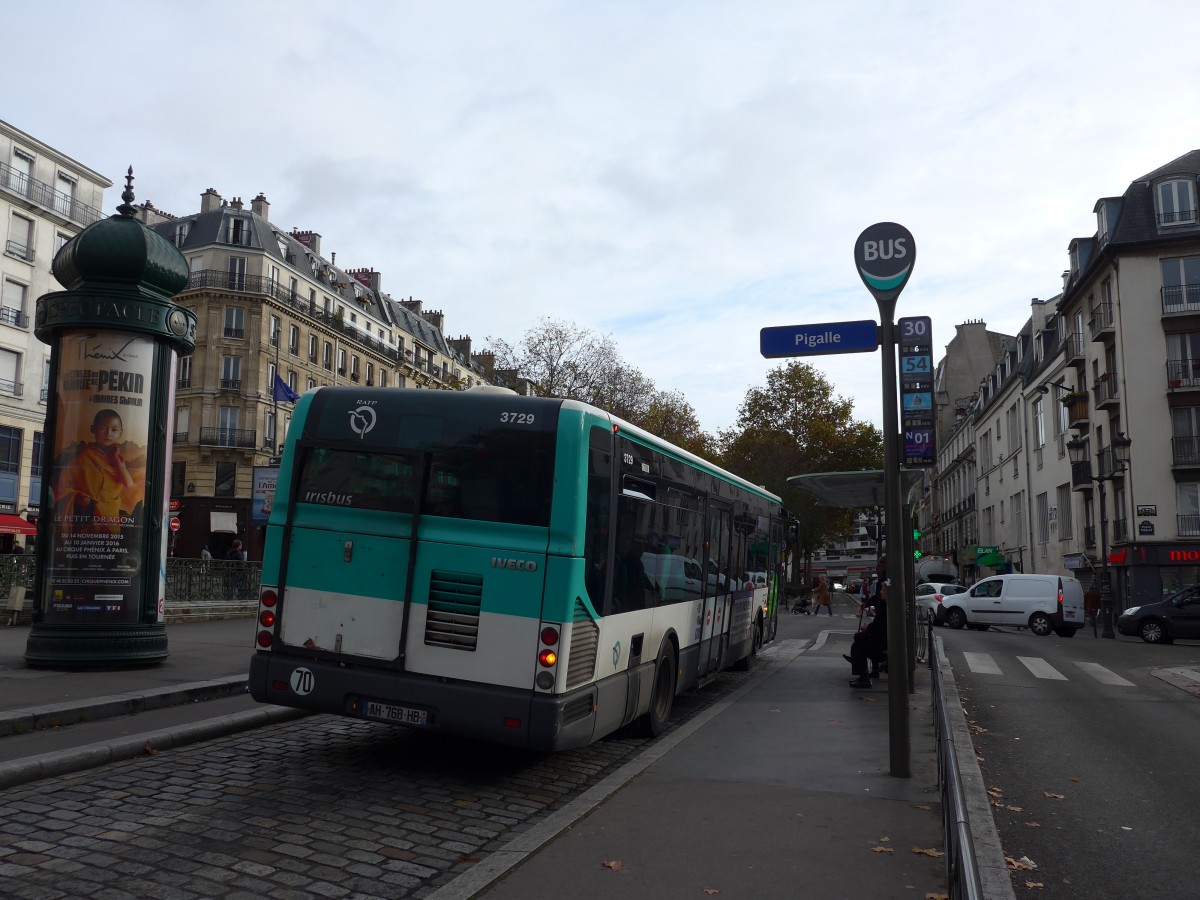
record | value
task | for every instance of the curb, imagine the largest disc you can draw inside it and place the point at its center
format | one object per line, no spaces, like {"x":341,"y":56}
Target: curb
{"x":989,"y":854}
{"x":66,"y":762}
{"x":36,"y":718}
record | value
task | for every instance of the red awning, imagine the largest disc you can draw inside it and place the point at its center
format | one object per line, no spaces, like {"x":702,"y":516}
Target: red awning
{"x":10,"y":524}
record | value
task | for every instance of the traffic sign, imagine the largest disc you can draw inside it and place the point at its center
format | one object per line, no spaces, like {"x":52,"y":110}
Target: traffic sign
{"x":861,"y":336}
{"x":174,"y":505}
{"x":174,"y":523}
{"x":884,"y":255}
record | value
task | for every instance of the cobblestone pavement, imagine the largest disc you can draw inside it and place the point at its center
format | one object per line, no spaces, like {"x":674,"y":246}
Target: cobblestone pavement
{"x":320,"y":807}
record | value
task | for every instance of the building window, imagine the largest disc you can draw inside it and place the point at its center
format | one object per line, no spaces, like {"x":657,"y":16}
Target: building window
{"x":274,"y":331}
{"x":185,"y":371}
{"x":10,"y":449}
{"x":383,"y":377}
{"x":1065,"y":529}
{"x":291,"y":380}
{"x":20,"y":238}
{"x":64,"y":197}
{"x":271,"y":375}
{"x":39,"y":447}
{"x":370,"y":373}
{"x":311,"y":384}
{"x":293,"y":339}
{"x":229,"y":418}
{"x":1043,"y":523}
{"x":183,"y":415}
{"x":354,"y":368}
{"x":235,"y":322}
{"x":312,"y":348}
{"x":1183,"y":359}
{"x":60,"y":241}
{"x":181,"y":232}
{"x":1181,"y":284}
{"x":1177,"y":202}
{"x":237,"y":273}
{"x":237,"y":231}
{"x":269,"y":430}
{"x":341,"y":361}
{"x":231,"y":373}
{"x":178,"y":478}
{"x":226,"y":482}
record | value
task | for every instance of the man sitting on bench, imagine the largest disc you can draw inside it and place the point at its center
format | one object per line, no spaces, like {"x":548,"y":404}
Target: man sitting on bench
{"x":870,"y":643}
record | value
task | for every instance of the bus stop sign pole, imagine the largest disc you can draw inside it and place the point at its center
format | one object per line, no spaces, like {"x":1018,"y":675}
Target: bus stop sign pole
{"x":884,"y":255}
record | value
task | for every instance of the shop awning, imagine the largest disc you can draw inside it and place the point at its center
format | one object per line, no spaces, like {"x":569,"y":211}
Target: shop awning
{"x":10,"y":524}
{"x":225,"y":522}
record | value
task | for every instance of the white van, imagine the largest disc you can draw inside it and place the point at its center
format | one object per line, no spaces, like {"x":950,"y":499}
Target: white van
{"x":1041,"y":603}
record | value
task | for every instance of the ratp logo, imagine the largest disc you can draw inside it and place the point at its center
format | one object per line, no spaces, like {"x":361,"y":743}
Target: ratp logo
{"x":362,"y":420}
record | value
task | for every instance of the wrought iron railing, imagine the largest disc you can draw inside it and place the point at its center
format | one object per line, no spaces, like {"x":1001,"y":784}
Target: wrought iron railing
{"x":1183,"y":373}
{"x":181,"y":437}
{"x":257,"y":284}
{"x":231,"y":384}
{"x":1073,"y":345}
{"x":1189,"y":526}
{"x":12,"y":388}
{"x":241,"y":438}
{"x":1180,"y":298}
{"x":1105,"y":389}
{"x":20,"y":251}
{"x":1179,"y":217}
{"x":46,"y":196}
{"x":1120,"y":530}
{"x":1101,"y":320}
{"x":1185,"y":451}
{"x":11,"y":316}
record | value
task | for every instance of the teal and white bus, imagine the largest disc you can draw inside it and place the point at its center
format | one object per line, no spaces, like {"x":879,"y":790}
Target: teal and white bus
{"x":516,"y":569}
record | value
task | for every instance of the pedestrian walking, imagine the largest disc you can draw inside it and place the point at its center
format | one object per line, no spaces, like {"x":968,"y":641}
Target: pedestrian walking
{"x":822,"y":597}
{"x":205,"y":553}
{"x":237,"y":578}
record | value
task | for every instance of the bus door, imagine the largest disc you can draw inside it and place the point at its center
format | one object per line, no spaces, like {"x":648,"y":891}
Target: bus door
{"x":718,"y":582}
{"x":347,"y":552}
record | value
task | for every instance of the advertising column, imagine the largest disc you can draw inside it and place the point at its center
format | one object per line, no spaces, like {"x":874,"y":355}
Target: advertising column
{"x":115,"y":335}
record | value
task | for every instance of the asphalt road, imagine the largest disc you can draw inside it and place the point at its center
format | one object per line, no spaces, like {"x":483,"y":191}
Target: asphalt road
{"x":1087,"y":755}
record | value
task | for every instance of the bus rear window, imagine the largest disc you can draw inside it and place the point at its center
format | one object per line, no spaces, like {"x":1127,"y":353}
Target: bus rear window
{"x":491,"y":475}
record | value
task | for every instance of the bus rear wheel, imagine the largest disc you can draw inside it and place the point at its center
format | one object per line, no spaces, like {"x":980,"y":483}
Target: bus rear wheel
{"x":662,"y":699}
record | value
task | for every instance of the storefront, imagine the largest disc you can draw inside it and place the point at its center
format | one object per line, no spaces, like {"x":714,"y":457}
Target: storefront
{"x":1143,"y":573}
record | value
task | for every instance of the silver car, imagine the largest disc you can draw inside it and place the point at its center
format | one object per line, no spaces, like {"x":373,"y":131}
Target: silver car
{"x":929,"y":598}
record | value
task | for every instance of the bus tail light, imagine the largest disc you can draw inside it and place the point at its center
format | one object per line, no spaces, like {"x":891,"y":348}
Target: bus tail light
{"x":268,"y":617}
{"x":549,"y":635}
{"x":548,"y":658}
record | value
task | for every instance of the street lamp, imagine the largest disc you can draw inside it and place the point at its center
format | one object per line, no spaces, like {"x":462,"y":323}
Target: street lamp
{"x":1081,"y":469}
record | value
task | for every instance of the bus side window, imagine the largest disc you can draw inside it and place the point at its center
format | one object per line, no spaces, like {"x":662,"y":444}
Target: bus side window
{"x":596,"y":516}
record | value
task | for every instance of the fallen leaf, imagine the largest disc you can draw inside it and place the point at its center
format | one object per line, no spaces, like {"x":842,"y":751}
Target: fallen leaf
{"x":995,"y":792}
{"x":1073,"y":778}
{"x":711,"y":891}
{"x":977,"y":729}
{"x":777,"y":710}
{"x":150,"y":751}
{"x":615,"y":864}
{"x":923,"y":806}
{"x":866,"y":699}
{"x":920,"y":851}
{"x":930,"y":896}
{"x":1033,"y":824}
{"x":885,"y":840}
{"x":1034,"y":884}
{"x":883,"y":849}
{"x":1051,"y":796}
{"x":1024,"y":863}
{"x":1014,"y":809}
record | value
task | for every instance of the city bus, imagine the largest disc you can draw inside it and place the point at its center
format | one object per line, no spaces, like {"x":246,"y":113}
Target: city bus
{"x":522,"y":570}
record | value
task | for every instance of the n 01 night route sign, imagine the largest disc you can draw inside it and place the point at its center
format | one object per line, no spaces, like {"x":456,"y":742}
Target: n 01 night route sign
{"x":861,"y":336}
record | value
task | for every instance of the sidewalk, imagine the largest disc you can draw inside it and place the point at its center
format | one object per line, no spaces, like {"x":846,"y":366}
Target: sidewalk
{"x":780,"y":790}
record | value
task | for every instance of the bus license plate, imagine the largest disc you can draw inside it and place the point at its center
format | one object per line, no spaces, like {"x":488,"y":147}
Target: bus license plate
{"x":403,"y":715}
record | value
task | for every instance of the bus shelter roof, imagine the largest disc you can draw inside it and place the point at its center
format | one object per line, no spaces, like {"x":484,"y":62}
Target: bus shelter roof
{"x":856,"y":489}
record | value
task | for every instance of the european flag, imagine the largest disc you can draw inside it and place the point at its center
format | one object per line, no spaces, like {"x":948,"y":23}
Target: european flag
{"x":281,"y":391}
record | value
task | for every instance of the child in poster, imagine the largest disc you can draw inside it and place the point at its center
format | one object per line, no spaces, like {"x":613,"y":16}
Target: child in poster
{"x":93,"y":488}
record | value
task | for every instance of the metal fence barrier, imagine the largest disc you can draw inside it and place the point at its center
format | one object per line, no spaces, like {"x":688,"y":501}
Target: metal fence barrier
{"x":962,"y":869}
{"x":197,"y":589}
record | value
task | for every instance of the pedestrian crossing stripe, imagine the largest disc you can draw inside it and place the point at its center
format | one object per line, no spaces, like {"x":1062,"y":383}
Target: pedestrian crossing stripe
{"x":985,"y":664}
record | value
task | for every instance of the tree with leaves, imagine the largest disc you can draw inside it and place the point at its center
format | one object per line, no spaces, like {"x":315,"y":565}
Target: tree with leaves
{"x":796,"y":425}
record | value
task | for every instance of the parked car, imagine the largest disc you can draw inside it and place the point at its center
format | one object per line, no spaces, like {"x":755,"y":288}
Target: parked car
{"x":930,"y":597}
{"x":1176,"y":616}
{"x":1041,"y":603}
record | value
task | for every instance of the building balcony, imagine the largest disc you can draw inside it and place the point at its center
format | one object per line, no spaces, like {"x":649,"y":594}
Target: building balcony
{"x":217,"y":280}
{"x":11,"y":388}
{"x":1089,"y":536}
{"x":1120,"y":530}
{"x":20,"y":251}
{"x":1183,"y":374}
{"x":1081,"y":476}
{"x":1188,"y":526}
{"x":1102,"y":323}
{"x":14,"y":317}
{"x":1109,"y":464}
{"x":231,"y":384}
{"x":1180,"y":299}
{"x":1077,"y":409}
{"x":1185,"y":451}
{"x":240,"y":438}
{"x":180,"y":437}
{"x":1073,"y":348}
{"x":38,"y":193}
{"x":1104,"y":393}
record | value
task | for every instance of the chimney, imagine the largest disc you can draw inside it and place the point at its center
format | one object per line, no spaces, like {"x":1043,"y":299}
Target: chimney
{"x":461,"y":346}
{"x":236,"y":203}
{"x":435,"y":318}
{"x":259,"y":206}
{"x":366,"y":277}
{"x":209,"y":201}
{"x":413,"y":306}
{"x":309,"y":239}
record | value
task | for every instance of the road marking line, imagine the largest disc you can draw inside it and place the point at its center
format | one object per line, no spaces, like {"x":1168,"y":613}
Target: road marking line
{"x":982,"y":664}
{"x":1103,"y":675}
{"x":1041,"y":669}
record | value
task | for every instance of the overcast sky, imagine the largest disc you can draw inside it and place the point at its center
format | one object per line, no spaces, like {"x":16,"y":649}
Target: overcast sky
{"x":675,"y":174}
